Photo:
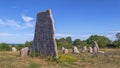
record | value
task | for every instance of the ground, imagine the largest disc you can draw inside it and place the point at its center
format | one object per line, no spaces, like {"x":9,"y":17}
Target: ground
{"x":83,"y":60}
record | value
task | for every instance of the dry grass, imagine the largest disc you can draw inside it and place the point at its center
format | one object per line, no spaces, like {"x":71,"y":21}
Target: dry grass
{"x":84,"y":60}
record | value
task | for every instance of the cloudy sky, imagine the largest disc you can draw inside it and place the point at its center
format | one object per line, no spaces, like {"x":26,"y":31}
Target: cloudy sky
{"x":75,"y":18}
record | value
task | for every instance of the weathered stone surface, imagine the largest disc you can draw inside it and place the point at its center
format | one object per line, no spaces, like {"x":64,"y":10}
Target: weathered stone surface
{"x":96,"y":45}
{"x":65,"y":51}
{"x":95,"y":50}
{"x":90,"y":50}
{"x":24,"y":52}
{"x":75,"y":49}
{"x":14,"y":49}
{"x":84,"y":48}
{"x":63,"y":48}
{"x":44,"y":43}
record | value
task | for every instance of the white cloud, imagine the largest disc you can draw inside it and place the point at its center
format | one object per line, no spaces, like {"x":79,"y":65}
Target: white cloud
{"x":110,"y":36}
{"x":29,"y":34}
{"x":10,"y":22}
{"x":1,"y":21}
{"x":86,"y":36}
{"x":28,"y":21}
{"x":115,"y":31}
{"x":13,"y":23}
{"x":7,"y":34}
{"x":64,"y":35}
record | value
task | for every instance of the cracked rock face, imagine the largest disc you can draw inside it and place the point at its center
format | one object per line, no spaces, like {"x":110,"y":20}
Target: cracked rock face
{"x":44,"y":43}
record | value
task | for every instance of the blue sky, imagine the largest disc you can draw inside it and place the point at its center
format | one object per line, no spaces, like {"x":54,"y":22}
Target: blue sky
{"x":75,"y":18}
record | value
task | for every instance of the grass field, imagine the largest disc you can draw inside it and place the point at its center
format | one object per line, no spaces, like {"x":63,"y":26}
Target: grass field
{"x":83,"y":60}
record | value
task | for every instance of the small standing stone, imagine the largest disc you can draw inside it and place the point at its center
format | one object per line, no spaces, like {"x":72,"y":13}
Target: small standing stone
{"x":84,"y":48}
{"x":90,"y":50}
{"x":63,"y":48}
{"x":24,"y":52}
{"x":65,"y":51}
{"x":75,"y":49}
{"x":14,"y":49}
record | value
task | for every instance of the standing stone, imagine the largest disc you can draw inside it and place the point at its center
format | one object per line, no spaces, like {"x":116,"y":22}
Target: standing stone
{"x":24,"y":52}
{"x":75,"y":49}
{"x":96,"y":45}
{"x":90,"y":50}
{"x":14,"y":49}
{"x":95,"y":49}
{"x":65,"y":51}
{"x":63,"y":48}
{"x":84,"y":48}
{"x":44,"y":43}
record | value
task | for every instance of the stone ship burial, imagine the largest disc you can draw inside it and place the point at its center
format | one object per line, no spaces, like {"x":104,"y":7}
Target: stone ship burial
{"x":44,"y":43}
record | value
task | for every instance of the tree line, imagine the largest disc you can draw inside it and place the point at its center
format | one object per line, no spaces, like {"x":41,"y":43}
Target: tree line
{"x":67,"y":42}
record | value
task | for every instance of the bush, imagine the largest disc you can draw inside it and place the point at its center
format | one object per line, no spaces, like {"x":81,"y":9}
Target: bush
{"x":4,"y":47}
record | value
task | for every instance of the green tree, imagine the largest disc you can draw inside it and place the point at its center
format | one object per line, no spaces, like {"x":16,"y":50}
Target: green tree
{"x":102,"y":40}
{"x":118,"y":36}
{"x":76,"y":42}
{"x":83,"y":43}
{"x":117,"y":41}
{"x":4,"y":47}
{"x":64,"y":42}
{"x":19,"y":46}
{"x":28,"y":43}
{"x":60,"y":42}
{"x":68,"y":42}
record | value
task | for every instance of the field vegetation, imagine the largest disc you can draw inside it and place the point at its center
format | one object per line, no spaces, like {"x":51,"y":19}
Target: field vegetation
{"x":111,"y":59}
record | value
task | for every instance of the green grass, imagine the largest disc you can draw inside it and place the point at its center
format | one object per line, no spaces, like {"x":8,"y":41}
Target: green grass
{"x":34,"y":65}
{"x":66,"y":58}
{"x":82,"y":60}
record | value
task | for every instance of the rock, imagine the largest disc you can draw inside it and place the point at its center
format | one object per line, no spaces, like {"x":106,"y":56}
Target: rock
{"x":65,"y":51}
{"x":95,"y":50}
{"x":24,"y":52}
{"x":75,"y":49}
{"x":102,"y":52}
{"x":96,"y":45}
{"x":90,"y":50}
{"x":63,"y":48}
{"x":44,"y":43}
{"x":84,"y":48}
{"x":14,"y":49}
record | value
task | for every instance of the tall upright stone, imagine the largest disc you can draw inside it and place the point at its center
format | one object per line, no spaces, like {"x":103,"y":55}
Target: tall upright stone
{"x":96,"y":45}
{"x":44,"y":43}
